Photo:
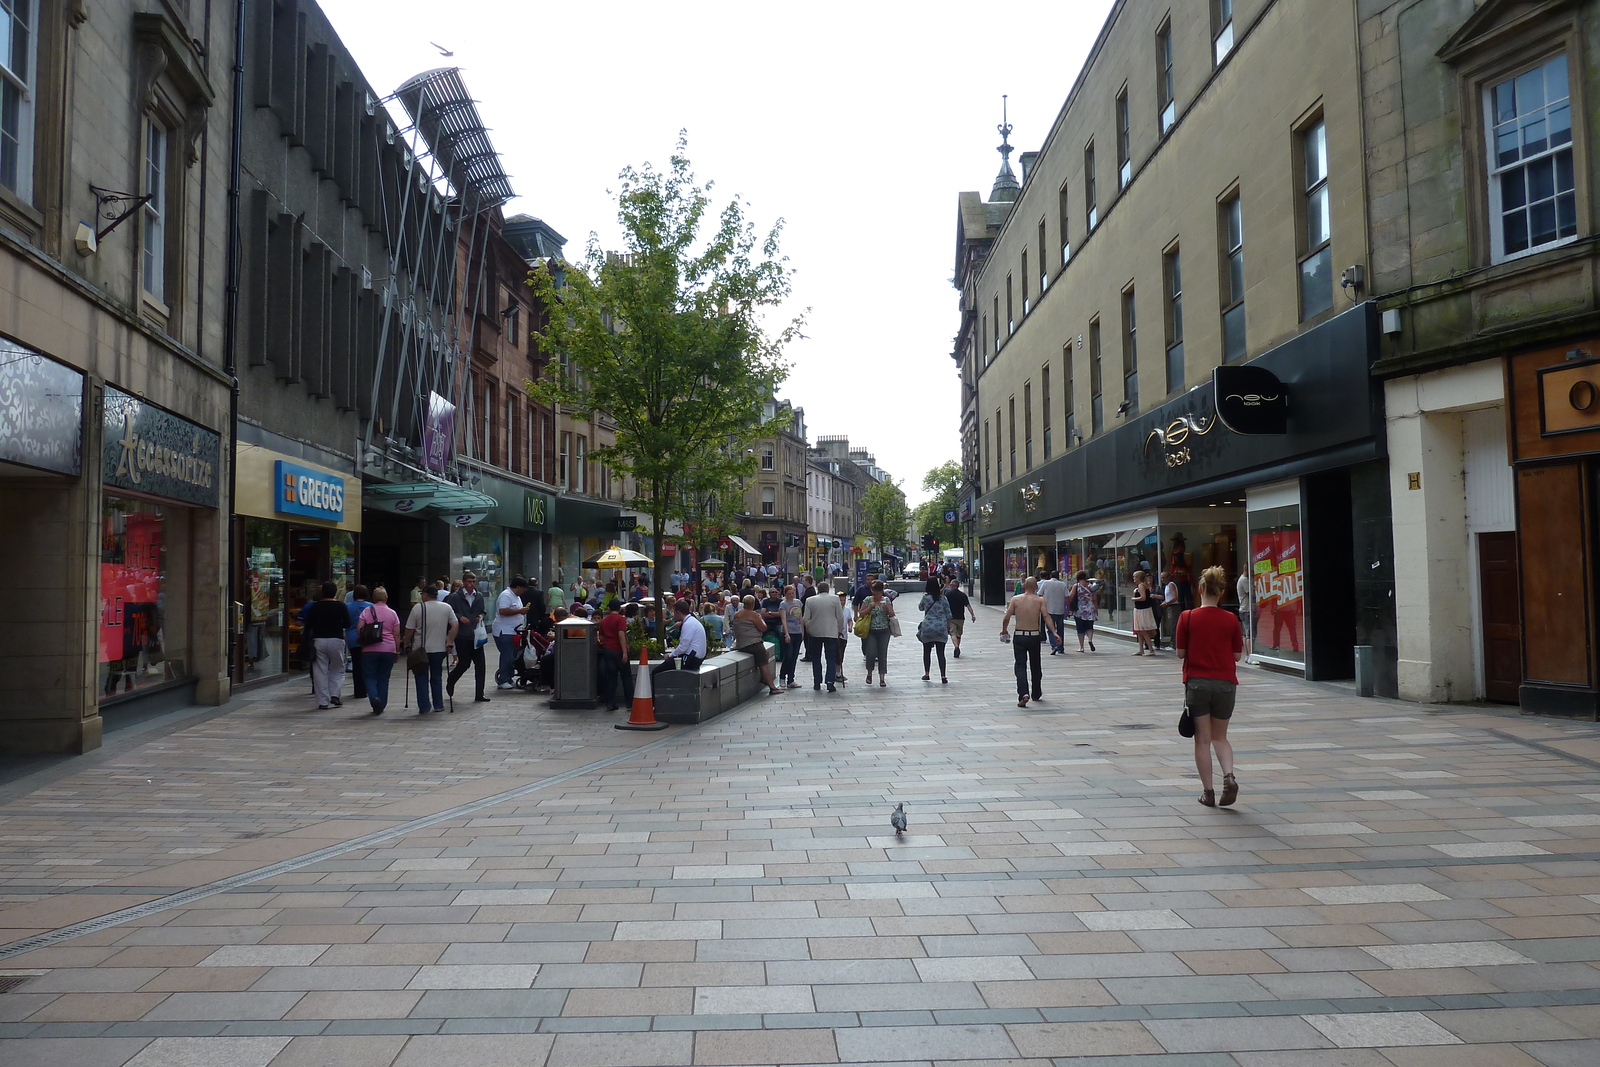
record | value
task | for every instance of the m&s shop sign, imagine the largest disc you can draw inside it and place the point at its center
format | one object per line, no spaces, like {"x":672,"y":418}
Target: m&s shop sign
{"x":311,"y":493}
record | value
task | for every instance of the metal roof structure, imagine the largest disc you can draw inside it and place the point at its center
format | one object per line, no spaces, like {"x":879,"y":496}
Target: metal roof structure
{"x":446,"y":116}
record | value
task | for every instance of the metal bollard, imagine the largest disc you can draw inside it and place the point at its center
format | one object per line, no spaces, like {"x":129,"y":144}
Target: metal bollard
{"x":1364,"y":671}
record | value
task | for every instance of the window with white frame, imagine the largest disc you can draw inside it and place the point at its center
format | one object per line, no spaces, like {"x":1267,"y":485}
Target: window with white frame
{"x":1221,"y":30}
{"x":1316,"y":259}
{"x":581,"y":458}
{"x":1044,"y":270}
{"x":154,"y":235}
{"x":1091,"y":211}
{"x":16,"y":96}
{"x":1166,"y":99}
{"x":767,"y":460}
{"x":1231,"y":230}
{"x":564,"y":461}
{"x":1532,"y":199}
{"x":1064,"y":209}
{"x":1124,"y":142}
{"x":769,"y":500}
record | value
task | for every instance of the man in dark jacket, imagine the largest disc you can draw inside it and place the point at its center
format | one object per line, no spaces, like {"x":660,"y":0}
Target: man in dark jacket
{"x":325,"y":625}
{"x":469,"y":606}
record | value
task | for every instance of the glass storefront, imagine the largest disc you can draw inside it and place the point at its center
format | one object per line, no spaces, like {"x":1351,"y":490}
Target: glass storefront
{"x":266,"y":555}
{"x":1181,"y":548}
{"x":1277,"y":584}
{"x":144,"y":595}
{"x":481,"y":549}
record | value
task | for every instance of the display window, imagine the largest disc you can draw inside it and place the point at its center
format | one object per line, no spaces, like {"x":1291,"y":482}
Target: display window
{"x":1016,"y":567}
{"x":1277,"y":584}
{"x":144,"y":595}
{"x":266,"y":554}
{"x":483,"y":552}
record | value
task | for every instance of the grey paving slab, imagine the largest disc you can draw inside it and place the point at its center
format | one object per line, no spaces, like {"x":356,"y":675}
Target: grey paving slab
{"x":968,"y":1042}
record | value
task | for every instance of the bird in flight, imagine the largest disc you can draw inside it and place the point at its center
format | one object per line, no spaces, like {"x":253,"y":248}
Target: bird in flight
{"x":443,"y":51}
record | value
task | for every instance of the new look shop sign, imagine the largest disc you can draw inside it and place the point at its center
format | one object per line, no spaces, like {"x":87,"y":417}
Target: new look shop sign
{"x":309,"y":493}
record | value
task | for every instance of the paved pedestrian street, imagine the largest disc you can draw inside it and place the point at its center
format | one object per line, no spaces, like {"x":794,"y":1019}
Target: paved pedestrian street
{"x":272,"y":886}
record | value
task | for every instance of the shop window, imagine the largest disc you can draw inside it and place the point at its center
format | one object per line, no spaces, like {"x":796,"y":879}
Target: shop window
{"x":144,"y":595}
{"x":1230,"y":226}
{"x":483,"y":553}
{"x":1097,"y":411}
{"x":1172,"y":282}
{"x":1166,"y":101}
{"x":16,"y":96}
{"x":265,"y":559}
{"x":1277,"y":582}
{"x":1316,"y":258}
{"x":1221,"y":30}
{"x":1532,"y":198}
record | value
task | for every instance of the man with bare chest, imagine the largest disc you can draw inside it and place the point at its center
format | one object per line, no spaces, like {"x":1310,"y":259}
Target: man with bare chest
{"x":1033,"y":622}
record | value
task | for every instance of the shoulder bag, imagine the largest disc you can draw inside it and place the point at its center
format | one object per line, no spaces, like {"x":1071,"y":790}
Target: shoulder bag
{"x":894,"y":626}
{"x":370,"y":633}
{"x":417,"y":658}
{"x":863,"y":624}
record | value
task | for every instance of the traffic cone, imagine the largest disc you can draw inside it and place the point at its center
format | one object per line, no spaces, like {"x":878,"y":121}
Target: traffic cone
{"x":643,"y":715}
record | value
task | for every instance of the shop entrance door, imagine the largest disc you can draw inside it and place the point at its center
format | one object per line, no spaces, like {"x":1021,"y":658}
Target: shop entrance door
{"x":1502,"y":621}
{"x":308,"y":569}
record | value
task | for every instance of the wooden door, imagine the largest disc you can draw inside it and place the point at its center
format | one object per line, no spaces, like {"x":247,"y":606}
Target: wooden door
{"x":1502,"y":616}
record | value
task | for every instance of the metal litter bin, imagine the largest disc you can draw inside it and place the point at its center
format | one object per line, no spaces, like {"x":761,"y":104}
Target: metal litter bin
{"x":577,"y":665}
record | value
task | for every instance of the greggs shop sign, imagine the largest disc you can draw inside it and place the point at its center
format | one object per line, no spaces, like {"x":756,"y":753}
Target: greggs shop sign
{"x":306,"y":492}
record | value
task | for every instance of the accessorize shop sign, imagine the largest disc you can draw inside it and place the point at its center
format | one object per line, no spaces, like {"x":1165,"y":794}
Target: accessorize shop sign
{"x":41,"y":411}
{"x":304,"y":491}
{"x":152,"y":451}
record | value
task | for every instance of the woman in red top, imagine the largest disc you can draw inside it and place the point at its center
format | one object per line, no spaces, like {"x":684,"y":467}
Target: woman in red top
{"x":1209,"y":643}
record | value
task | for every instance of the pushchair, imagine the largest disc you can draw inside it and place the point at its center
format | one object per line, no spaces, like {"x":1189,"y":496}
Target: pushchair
{"x":535,"y":666}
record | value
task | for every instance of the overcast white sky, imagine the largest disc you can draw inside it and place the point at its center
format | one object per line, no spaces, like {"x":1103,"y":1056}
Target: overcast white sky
{"x":858,"y":126}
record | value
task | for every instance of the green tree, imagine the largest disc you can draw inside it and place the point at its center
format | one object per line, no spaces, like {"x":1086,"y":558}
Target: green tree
{"x":944,"y":482}
{"x":667,"y":338}
{"x":885,"y":516}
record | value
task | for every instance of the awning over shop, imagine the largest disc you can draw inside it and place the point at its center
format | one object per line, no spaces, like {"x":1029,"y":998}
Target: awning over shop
{"x":457,"y":506}
{"x":744,"y":546}
{"x":1133,"y":537}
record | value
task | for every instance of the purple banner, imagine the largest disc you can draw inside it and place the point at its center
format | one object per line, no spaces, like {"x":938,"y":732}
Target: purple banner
{"x":438,"y":432}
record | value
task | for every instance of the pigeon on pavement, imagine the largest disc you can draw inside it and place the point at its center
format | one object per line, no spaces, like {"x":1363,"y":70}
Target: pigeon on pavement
{"x":897,"y":819}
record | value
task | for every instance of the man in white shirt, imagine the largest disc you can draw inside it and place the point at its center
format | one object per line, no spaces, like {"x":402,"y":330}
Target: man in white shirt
{"x":1167,"y":617}
{"x":691,"y":648}
{"x":509,"y":612}
{"x":1054,"y":591}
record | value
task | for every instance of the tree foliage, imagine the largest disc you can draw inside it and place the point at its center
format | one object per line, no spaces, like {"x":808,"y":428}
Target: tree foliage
{"x":944,"y":482}
{"x":666,"y":338}
{"x":885,"y":516}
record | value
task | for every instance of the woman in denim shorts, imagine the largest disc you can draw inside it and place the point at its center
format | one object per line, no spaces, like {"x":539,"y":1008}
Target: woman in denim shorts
{"x":1209,"y":643}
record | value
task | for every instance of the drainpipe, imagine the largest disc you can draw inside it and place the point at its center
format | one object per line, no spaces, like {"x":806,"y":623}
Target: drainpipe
{"x":230,"y":321}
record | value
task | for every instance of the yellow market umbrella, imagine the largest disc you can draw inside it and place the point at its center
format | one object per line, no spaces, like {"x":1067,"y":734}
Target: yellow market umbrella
{"x":617,"y":559}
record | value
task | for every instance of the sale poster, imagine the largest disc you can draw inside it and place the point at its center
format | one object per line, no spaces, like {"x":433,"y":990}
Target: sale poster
{"x":130,"y":588}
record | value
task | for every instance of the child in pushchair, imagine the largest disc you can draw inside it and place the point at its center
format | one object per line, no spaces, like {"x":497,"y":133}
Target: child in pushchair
{"x":535,"y":663}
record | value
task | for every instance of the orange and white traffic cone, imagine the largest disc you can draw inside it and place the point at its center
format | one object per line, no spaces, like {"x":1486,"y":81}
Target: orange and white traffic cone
{"x":643,"y":714}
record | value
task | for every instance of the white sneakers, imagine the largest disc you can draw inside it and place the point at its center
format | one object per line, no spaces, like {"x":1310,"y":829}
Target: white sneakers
{"x":505,"y":685}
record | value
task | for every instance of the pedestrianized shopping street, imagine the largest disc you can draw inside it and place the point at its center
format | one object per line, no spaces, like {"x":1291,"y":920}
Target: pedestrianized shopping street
{"x":273,"y":886}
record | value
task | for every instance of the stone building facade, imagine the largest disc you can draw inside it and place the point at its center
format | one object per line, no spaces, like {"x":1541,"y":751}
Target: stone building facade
{"x":775,"y":495}
{"x":114,"y":170}
{"x":1480,"y":135}
{"x":1199,"y":202}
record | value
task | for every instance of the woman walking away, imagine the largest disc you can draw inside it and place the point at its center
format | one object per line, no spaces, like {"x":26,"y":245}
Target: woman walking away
{"x":1209,"y":642}
{"x":875,"y":644}
{"x":748,"y":626}
{"x":934,"y":629}
{"x":377,"y":660}
{"x":1085,"y":609}
{"x":1144,"y":617}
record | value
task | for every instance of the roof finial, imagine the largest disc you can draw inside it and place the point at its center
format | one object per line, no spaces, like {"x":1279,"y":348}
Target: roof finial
{"x":1006,"y":186}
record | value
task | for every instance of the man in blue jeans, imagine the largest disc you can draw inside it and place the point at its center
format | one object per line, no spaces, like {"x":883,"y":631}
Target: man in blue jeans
{"x":509,"y":611}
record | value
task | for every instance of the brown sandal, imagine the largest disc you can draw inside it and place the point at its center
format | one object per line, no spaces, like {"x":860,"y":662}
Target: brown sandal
{"x":1209,"y":798}
{"x":1230,"y":790}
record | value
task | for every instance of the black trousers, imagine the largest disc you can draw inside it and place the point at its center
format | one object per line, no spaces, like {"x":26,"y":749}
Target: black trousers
{"x":823,"y":650}
{"x":358,"y":678}
{"x":791,"y":655}
{"x":614,"y":675}
{"x":928,"y":648}
{"x":1026,"y":650}
{"x":468,"y":654}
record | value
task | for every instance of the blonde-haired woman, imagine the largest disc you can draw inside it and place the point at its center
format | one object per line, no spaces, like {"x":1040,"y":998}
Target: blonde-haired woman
{"x":1209,"y":643}
{"x":377,"y":660}
{"x":875,"y":646}
{"x":1144,"y":616}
